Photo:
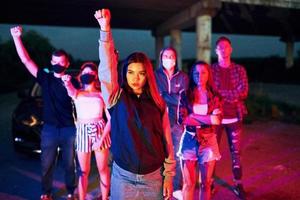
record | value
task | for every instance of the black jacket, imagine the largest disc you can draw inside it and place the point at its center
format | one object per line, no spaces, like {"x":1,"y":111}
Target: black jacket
{"x":170,"y":90}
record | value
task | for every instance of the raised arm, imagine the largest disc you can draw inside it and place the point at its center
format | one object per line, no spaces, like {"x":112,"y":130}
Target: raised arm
{"x":107,"y":72}
{"x":72,"y":91}
{"x":16,"y":33}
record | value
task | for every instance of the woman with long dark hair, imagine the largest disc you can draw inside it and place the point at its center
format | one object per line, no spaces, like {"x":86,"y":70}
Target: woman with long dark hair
{"x":142,"y":149}
{"x":199,"y":112}
{"x":92,"y":132}
{"x":171,"y":81}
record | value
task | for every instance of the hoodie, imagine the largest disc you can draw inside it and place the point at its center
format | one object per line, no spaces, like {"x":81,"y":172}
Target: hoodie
{"x":170,"y":90}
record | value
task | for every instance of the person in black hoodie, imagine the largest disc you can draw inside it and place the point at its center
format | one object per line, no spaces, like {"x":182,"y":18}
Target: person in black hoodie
{"x":171,"y":81}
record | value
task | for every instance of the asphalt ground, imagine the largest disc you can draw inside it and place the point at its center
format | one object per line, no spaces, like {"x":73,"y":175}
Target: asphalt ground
{"x":270,"y":155}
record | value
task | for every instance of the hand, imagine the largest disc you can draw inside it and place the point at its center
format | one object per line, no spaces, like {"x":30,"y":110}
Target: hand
{"x":106,"y":142}
{"x":215,"y":120}
{"x":103,"y":17}
{"x":66,"y":78}
{"x":216,"y":111}
{"x":16,"y":31}
{"x":101,"y":143}
{"x":167,"y":188}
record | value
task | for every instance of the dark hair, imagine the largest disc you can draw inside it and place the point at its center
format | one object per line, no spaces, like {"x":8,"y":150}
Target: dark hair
{"x":94,"y":68}
{"x":90,"y":65}
{"x":61,"y":52}
{"x":162,"y":52}
{"x":223,"y":38}
{"x":210,"y":86}
{"x":150,"y":86}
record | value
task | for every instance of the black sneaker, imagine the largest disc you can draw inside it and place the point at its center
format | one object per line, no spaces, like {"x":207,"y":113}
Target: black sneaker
{"x":239,"y":191}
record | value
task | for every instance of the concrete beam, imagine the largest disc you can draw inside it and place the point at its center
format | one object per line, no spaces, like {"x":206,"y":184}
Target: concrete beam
{"x":289,"y":57}
{"x":176,"y":44}
{"x":294,"y":4}
{"x":187,"y":17}
{"x":159,"y":44}
{"x":203,"y":30}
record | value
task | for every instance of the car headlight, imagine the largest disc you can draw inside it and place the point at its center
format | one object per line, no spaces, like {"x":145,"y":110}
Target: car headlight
{"x":31,"y":121}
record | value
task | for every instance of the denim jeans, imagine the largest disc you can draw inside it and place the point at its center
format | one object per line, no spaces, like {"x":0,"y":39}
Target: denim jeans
{"x":129,"y":186}
{"x":234,"y":132}
{"x":177,"y":132}
{"x":53,"y":137}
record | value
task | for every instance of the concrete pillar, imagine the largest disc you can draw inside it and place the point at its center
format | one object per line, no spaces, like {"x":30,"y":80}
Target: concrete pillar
{"x":159,"y":44}
{"x":203,"y":35}
{"x":176,"y":44}
{"x":289,"y":57}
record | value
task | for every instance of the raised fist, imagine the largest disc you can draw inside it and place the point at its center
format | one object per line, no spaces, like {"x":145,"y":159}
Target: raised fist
{"x":16,"y":31}
{"x":216,"y":111}
{"x":66,"y":78}
{"x":103,"y":17}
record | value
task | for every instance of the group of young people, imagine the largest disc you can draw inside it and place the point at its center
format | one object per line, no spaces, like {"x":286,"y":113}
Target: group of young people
{"x":160,"y":126}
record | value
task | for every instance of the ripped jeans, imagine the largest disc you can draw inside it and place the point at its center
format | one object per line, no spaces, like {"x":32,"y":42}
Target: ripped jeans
{"x":233,"y":132}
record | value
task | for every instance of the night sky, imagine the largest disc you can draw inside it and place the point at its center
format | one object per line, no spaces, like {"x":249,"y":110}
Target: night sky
{"x":82,"y":43}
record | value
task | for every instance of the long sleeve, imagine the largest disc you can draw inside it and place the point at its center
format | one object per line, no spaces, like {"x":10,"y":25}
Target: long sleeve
{"x":182,"y":111}
{"x":170,"y":162}
{"x":107,"y":72}
{"x":24,"y":56}
{"x":170,"y":99}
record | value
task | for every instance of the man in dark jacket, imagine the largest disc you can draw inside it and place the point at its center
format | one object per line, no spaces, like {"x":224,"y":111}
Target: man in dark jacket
{"x":171,"y":82}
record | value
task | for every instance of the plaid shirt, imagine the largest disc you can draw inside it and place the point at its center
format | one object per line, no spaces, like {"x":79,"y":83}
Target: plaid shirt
{"x":234,"y":87}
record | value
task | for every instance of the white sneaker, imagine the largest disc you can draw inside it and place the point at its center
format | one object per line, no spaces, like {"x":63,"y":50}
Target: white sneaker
{"x":178,"y":195}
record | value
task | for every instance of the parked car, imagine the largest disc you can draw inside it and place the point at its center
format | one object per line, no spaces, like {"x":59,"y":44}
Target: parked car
{"x":27,"y":119}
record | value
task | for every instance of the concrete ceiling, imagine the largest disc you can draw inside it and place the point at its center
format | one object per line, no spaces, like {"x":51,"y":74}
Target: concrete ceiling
{"x":250,"y":17}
